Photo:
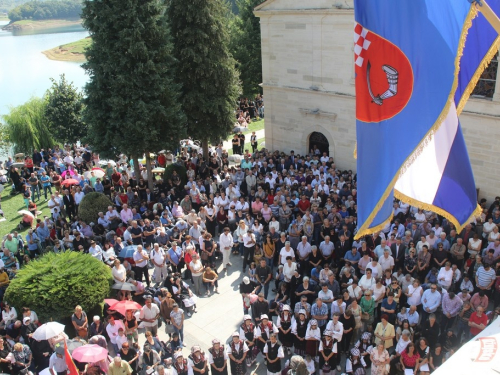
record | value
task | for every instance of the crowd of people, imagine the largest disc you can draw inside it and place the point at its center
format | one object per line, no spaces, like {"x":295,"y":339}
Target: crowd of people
{"x":399,"y":301}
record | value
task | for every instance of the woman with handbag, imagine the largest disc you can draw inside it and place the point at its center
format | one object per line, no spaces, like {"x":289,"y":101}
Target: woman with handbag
{"x":367,"y":304}
{"x":80,"y":322}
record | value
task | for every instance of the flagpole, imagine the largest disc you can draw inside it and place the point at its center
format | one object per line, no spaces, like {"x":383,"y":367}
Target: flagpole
{"x":488,"y":13}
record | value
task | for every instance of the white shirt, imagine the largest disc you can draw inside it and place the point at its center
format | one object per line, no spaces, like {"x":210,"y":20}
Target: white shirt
{"x":288,"y":271}
{"x":226,"y":241}
{"x":9,"y":317}
{"x":138,"y":258}
{"x":78,"y":197}
{"x":281,"y":354}
{"x":211,"y":357}
{"x":229,"y":350}
{"x":447,"y":275}
{"x":149,"y":313}
{"x":111,"y":214}
{"x":96,"y":252}
{"x":119,"y":274}
{"x":249,"y":240}
{"x":158,"y":256}
{"x":112,"y":330}
{"x":386,"y":263}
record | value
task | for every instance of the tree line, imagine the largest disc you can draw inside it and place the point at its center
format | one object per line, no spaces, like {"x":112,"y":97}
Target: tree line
{"x":43,"y":10}
{"x":159,"y":72}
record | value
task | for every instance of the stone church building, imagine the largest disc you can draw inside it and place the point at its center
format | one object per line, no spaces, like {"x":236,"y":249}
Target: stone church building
{"x":308,"y":82}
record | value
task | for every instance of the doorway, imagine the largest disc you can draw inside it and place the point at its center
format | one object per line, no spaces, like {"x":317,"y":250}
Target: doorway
{"x":318,"y":141}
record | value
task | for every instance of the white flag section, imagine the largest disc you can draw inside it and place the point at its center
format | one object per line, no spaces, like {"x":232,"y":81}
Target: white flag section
{"x":479,"y":356}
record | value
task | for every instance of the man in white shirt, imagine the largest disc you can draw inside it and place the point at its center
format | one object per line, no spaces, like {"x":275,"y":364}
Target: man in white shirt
{"x":57,"y":364}
{"x":78,"y":196}
{"x":387,"y":261}
{"x":159,"y":260}
{"x":112,"y":330}
{"x":149,"y":316}
{"x":303,"y":251}
{"x":141,"y":264}
{"x":95,"y":250}
{"x":226,"y":244}
{"x":337,"y":330}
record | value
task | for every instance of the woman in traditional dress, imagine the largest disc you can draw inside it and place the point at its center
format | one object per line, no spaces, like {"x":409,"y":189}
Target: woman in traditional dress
{"x":237,"y":352}
{"x":197,"y":360}
{"x":217,"y":358}
{"x":284,"y":324}
{"x":180,"y":366}
{"x":327,"y":355}
{"x":273,"y":353}
{"x":263,"y":331}
{"x":247,"y":334}
{"x":299,"y":328}
{"x":313,"y":337}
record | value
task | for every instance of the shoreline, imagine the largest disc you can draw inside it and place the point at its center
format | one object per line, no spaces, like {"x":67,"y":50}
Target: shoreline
{"x":40,"y":25}
{"x":64,"y":52}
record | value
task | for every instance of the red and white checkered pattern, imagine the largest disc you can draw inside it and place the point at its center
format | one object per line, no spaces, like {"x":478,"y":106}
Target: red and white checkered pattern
{"x":361,"y":44}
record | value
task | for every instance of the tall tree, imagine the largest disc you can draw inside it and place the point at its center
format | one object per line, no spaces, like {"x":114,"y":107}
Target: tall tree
{"x":64,"y":111}
{"x":132,"y":100}
{"x":27,"y":126}
{"x":246,"y":47}
{"x":206,"y":68}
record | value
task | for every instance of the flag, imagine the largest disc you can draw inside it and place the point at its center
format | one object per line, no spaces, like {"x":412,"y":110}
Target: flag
{"x":69,"y":361}
{"x":414,"y":71}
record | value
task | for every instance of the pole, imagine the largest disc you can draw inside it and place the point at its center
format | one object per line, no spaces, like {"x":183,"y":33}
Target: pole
{"x":489,"y":14}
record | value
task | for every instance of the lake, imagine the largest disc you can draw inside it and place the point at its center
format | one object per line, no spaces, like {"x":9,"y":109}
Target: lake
{"x":26,"y":72}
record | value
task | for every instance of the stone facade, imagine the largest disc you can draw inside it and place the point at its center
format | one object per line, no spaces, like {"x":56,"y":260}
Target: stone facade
{"x":308,"y":82}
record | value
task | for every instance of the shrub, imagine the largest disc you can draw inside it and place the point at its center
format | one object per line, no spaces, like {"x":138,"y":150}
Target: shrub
{"x":181,"y":171}
{"x":91,"y":205}
{"x":54,"y":284}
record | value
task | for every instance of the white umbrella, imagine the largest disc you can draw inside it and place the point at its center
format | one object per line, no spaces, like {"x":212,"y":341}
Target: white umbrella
{"x":25,"y":212}
{"x":106,"y":162}
{"x":2,"y":172}
{"x":48,"y":330}
{"x":158,"y":170}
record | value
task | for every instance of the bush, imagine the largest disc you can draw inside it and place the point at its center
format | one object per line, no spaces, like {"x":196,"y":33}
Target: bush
{"x":181,"y":171}
{"x":91,"y":205}
{"x":54,"y":284}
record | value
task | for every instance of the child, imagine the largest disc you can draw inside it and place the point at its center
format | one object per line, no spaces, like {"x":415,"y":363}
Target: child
{"x":309,"y":364}
{"x":251,"y":272}
{"x":402,"y":315}
{"x":354,"y":362}
{"x":121,"y":338}
{"x":175,"y":343}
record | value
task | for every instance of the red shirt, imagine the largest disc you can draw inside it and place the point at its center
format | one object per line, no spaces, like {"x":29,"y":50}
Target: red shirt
{"x":304,"y":205}
{"x":474,"y":318}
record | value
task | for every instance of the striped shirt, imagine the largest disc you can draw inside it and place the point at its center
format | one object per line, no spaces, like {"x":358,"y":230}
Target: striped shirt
{"x":484,"y":278}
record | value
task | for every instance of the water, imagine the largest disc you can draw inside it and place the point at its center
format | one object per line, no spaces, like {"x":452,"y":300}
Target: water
{"x":26,"y":72}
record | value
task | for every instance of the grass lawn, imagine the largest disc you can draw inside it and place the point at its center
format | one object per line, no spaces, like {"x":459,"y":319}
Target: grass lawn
{"x":254,"y":126}
{"x":12,"y":204}
{"x":77,"y":47}
{"x":248,"y":146}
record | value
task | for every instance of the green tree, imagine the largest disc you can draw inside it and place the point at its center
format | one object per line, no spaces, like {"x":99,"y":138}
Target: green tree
{"x":5,"y":143}
{"x":91,"y":205}
{"x":246,"y":47}
{"x":132,"y":101}
{"x":54,"y":284}
{"x":64,"y":111}
{"x":27,"y":126}
{"x":206,"y":68}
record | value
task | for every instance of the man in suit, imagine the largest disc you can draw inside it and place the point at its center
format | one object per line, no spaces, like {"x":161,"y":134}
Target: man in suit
{"x":69,"y":204}
{"x":343,"y":246}
{"x":398,"y":251}
{"x":150,"y":197}
{"x":415,"y":233}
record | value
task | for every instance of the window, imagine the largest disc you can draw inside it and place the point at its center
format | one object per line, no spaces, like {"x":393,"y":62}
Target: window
{"x":485,"y":87}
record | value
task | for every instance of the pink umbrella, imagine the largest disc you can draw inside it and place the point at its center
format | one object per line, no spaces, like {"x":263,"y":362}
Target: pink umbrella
{"x":90,"y":353}
{"x":66,"y":172}
{"x":69,"y":182}
{"x":110,"y":301}
{"x":123,"y":306}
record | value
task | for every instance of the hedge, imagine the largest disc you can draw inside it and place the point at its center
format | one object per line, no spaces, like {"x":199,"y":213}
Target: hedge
{"x":181,"y":171}
{"x":54,"y":284}
{"x":91,"y":205}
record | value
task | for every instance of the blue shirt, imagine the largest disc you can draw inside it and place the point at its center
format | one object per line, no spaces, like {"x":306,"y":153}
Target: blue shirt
{"x":33,"y":237}
{"x":43,"y":233}
{"x":431,"y":300}
{"x":351,"y":257}
{"x":323,"y":310}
